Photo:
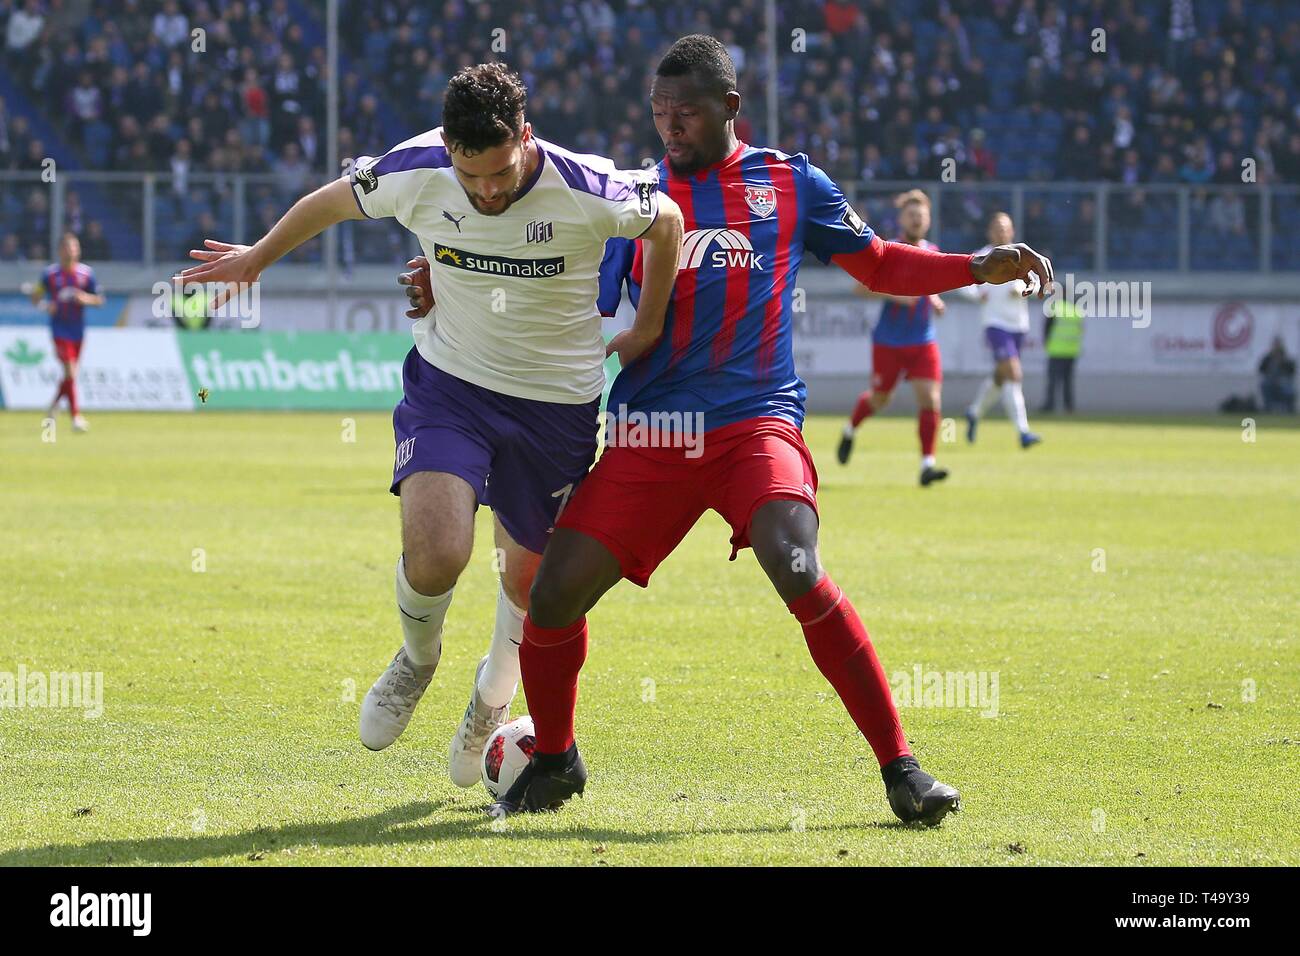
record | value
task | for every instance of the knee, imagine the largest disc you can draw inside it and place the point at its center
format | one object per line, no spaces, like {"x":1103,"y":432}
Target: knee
{"x":880,"y":399}
{"x":517,"y":586}
{"x":785,"y":543}
{"x":433,"y":567}
{"x":557,"y":597}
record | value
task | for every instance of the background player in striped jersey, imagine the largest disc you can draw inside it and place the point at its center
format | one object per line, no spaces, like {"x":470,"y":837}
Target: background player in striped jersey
{"x":1004,"y":314}
{"x":902,"y":344}
{"x":505,"y":378}
{"x":64,"y":290}
{"x":726,"y":354}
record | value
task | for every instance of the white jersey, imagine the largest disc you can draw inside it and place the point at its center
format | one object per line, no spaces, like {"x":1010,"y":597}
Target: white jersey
{"x":515,"y":293}
{"x":1001,"y":306}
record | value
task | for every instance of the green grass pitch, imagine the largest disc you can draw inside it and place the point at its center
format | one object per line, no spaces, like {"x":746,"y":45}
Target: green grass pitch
{"x":1131,"y":586}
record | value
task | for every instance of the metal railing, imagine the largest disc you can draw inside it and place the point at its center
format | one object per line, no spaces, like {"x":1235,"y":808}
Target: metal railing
{"x":146,"y":218}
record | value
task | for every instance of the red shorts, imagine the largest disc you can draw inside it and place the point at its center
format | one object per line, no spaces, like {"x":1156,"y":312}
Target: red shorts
{"x":67,"y":350}
{"x":640,"y":502}
{"x":917,"y":361}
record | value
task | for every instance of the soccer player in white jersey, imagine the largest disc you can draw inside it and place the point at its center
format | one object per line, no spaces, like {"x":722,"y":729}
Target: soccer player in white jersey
{"x":1004,"y":313}
{"x":501,"y":391}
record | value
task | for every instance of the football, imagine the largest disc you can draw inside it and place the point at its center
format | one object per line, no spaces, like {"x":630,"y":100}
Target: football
{"x":506,"y":753}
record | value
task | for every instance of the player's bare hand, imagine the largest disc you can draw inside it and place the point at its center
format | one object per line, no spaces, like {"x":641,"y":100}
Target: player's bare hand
{"x":1016,"y":261}
{"x":630,"y":345}
{"x":223,"y":262}
{"x":937,"y":304}
{"x":419,"y":287}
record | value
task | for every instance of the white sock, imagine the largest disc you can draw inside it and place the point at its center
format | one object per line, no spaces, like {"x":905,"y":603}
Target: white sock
{"x":927,"y":461}
{"x":1013,"y":400}
{"x":500,"y":678}
{"x":422,"y":618}
{"x":984,"y":398}
{"x":849,"y":430}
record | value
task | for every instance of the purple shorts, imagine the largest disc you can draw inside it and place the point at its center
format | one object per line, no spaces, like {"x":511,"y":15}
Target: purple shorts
{"x":1005,"y":345}
{"x":523,"y":458}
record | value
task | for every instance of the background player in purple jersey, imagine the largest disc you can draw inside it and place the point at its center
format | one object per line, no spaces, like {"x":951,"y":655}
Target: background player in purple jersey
{"x":64,"y":291}
{"x":725,"y":356}
{"x":902,"y":343}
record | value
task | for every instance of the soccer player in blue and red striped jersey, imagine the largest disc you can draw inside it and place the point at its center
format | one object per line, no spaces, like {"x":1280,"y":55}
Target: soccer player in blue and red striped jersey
{"x":706,"y":414}
{"x":902,"y":343}
{"x":64,"y":291}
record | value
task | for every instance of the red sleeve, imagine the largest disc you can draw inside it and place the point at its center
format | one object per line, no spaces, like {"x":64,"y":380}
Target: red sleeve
{"x":897,"y":268}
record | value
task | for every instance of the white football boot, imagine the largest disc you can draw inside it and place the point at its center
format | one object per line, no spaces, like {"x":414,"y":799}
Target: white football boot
{"x":466,"y":753}
{"x":388,"y":705}
{"x":79,"y":423}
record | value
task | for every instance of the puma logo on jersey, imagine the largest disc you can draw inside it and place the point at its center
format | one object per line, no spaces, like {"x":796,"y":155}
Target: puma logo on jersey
{"x":720,"y":248}
{"x":453,"y":220}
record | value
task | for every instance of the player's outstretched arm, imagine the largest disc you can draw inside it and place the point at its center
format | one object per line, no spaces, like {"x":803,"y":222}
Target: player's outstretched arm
{"x":662,"y":247}
{"x":902,"y":269}
{"x":309,"y":217}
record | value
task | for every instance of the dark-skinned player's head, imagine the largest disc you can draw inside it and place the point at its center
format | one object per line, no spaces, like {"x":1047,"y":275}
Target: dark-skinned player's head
{"x":486,"y":134}
{"x":695,"y":102}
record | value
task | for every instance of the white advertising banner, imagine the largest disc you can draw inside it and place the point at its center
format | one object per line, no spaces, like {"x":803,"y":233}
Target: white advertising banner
{"x":833,"y":337}
{"x":833,"y":331}
{"x":120,"y":370}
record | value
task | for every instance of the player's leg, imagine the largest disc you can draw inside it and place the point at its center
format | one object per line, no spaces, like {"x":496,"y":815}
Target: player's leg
{"x":437,"y":539}
{"x":623,"y":520}
{"x":784,"y":536}
{"x":989,"y":389}
{"x":496,"y":678}
{"x":79,"y":423}
{"x":543,"y":451}
{"x":575,"y":571}
{"x":885,"y":369}
{"x":769,"y":499}
{"x":928,"y":393}
{"x":442,"y":457}
{"x":1013,"y":399}
{"x":1067,"y":383}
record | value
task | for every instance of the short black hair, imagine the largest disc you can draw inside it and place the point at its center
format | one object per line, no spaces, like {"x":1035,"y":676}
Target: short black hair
{"x":702,"y":57}
{"x":483,"y":108}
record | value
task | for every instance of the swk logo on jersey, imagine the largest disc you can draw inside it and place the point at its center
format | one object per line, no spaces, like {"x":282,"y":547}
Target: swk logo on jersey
{"x":497,"y":265}
{"x":719,"y":248}
{"x":538,"y":231}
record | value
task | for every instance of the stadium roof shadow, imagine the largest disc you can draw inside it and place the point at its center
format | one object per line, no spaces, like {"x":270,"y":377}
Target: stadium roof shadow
{"x":391,"y":827}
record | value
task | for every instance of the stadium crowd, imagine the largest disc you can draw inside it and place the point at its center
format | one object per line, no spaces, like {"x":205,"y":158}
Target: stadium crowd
{"x":1170,"y":91}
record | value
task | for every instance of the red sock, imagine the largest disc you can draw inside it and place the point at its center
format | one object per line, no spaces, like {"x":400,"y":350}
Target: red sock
{"x":842,"y":651}
{"x":549,"y":661}
{"x":58,"y":396}
{"x":73,"y":404}
{"x":863,"y":409}
{"x":927,"y":425}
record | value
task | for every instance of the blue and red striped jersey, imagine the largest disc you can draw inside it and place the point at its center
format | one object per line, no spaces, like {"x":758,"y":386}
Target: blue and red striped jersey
{"x":726,"y":348}
{"x":906,"y":324}
{"x":69,"y":318}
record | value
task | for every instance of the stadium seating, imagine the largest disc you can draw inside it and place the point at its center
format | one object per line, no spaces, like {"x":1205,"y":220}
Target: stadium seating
{"x":1008,"y":69}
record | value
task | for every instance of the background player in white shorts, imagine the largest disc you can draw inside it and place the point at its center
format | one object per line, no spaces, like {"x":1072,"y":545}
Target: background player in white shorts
{"x":1004,"y":313}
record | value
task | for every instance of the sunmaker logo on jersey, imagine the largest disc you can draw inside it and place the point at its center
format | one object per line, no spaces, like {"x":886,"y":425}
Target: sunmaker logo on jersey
{"x":720,"y":248}
{"x":497,"y":265}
